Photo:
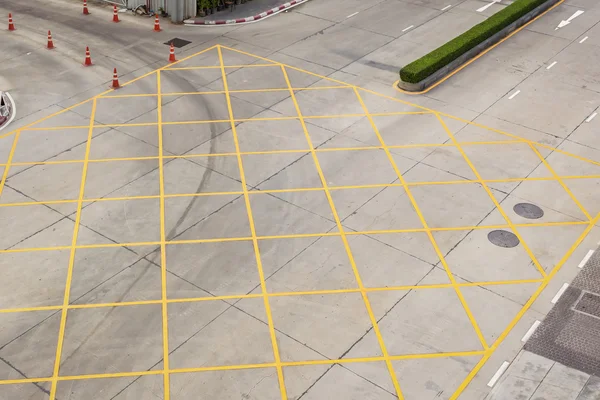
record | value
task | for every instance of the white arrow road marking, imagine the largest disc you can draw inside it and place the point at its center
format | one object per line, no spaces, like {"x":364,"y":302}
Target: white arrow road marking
{"x":482,"y":9}
{"x":564,"y":23}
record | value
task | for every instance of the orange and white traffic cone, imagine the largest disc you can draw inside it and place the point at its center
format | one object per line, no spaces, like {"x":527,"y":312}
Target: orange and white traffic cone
{"x":115,"y":84}
{"x":115,"y":14}
{"x":172,"y":54}
{"x":11,"y":25}
{"x":85,"y":8}
{"x":88,"y":58}
{"x":157,"y":24}
{"x":50,"y":42}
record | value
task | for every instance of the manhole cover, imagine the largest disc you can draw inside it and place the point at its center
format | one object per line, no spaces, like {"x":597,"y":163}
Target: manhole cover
{"x":589,"y":304}
{"x":179,"y":43}
{"x":528,"y":210}
{"x":503,"y":238}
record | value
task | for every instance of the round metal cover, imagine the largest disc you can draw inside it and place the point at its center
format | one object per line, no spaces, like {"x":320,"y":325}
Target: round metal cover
{"x":503,"y":238}
{"x":528,"y":210}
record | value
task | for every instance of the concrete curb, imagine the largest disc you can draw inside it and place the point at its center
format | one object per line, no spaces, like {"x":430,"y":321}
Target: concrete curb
{"x":12,"y":110}
{"x":475,"y":51}
{"x":247,"y":20}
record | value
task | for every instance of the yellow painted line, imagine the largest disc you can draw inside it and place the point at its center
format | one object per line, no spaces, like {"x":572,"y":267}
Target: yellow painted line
{"x":345,"y":241}
{"x":425,"y":225}
{"x":253,"y":232}
{"x":476,"y":57}
{"x":273,"y":64}
{"x":493,"y":198}
{"x":560,"y":181}
{"x":67,"y":295}
{"x":163,"y":250}
{"x":523,"y":310}
{"x":9,"y":161}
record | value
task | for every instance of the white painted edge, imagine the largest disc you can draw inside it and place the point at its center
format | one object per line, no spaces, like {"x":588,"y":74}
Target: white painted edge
{"x":447,"y":7}
{"x":352,"y":15}
{"x":482,"y":9}
{"x":591,"y":117}
{"x":531,"y":330}
{"x":551,"y":65}
{"x":584,"y":39}
{"x":559,"y":293}
{"x":407,"y":28}
{"x":512,"y":96}
{"x":498,"y":374}
{"x":14,"y":110}
{"x":586,"y":258}
{"x":190,"y":22}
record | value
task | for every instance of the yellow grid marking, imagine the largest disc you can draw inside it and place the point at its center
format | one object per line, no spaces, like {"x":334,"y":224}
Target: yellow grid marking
{"x":163,"y":251}
{"x":341,"y":230}
{"x":278,"y":364}
{"x":67,"y":295}
{"x":493,"y":198}
{"x":261,"y":274}
{"x":270,"y":294}
{"x":425,"y":225}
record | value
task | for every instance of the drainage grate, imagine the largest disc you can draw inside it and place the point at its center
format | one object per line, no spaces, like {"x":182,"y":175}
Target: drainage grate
{"x":179,"y":43}
{"x":588,"y":304}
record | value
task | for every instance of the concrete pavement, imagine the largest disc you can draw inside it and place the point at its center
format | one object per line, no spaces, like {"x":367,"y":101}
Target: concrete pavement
{"x":365,"y":219}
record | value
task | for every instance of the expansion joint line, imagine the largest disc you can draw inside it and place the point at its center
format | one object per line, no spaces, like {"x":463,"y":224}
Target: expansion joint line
{"x":338,"y":222}
{"x":261,"y":274}
{"x":67,"y":295}
{"x":423,"y":222}
{"x":492,"y":197}
{"x":560,"y":181}
{"x":163,"y":239}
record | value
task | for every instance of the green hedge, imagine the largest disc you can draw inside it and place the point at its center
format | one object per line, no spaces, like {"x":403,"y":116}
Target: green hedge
{"x":420,"y":69}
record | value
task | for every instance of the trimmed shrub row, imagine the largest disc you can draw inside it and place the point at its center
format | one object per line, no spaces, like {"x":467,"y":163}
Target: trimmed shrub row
{"x":421,"y":68}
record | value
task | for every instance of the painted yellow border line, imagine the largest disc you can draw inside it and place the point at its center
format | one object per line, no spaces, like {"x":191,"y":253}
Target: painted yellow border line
{"x":476,"y":57}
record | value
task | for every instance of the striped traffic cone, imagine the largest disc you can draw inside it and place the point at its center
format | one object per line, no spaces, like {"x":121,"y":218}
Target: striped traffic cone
{"x":88,"y":57}
{"x":172,"y":54}
{"x":115,"y":84}
{"x":85,"y":9}
{"x":50,"y":42}
{"x":157,"y":24}
{"x":115,"y":14}
{"x":11,"y":25}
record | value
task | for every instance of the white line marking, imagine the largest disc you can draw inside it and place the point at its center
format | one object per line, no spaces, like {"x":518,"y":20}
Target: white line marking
{"x":410,"y":27}
{"x":591,"y":117}
{"x":551,"y":65}
{"x":498,"y":374}
{"x":584,"y":39}
{"x":512,"y":96}
{"x":586,"y":258}
{"x":559,"y":293}
{"x":352,"y":15}
{"x":447,"y":7}
{"x":530,"y":331}
{"x":564,"y":23}
{"x":482,"y":9}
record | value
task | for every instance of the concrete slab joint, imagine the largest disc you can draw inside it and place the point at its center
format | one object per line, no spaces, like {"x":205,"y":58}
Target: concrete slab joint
{"x":475,"y":51}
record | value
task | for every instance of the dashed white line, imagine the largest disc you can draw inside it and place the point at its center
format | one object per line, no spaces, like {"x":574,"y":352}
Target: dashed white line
{"x":551,"y":65}
{"x":591,"y":117}
{"x":498,"y":374}
{"x":352,"y":15}
{"x":584,"y":39}
{"x":530,"y":331}
{"x":410,"y":27}
{"x":559,"y":293}
{"x":512,"y":96}
{"x":447,"y":7}
{"x":586,"y":258}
